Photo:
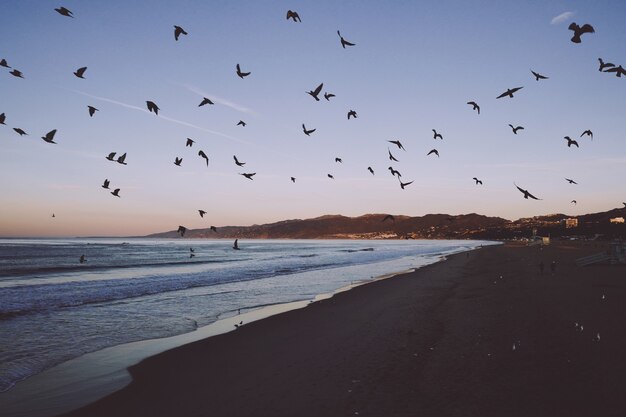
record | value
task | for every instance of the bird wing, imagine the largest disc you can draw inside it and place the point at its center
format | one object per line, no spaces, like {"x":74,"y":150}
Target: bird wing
{"x":318,"y":89}
{"x":587,"y":28}
{"x":506,"y":93}
{"x":345,"y":42}
{"x":81,"y":71}
{"x":521,"y":189}
{"x":573,"y":26}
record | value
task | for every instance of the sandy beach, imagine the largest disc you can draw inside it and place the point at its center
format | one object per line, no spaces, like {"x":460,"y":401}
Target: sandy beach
{"x":484,"y":334}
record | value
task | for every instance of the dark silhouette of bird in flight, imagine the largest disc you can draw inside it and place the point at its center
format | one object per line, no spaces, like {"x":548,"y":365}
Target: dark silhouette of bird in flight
{"x":55,"y":216}
{"x":570,"y":142}
{"x":3,"y":63}
{"x":82,"y":259}
{"x":604,"y":65}
{"x":328,"y":96}
{"x":240,"y":73}
{"x":202,"y":213}
{"x":189,"y":142}
{"x":436,"y":135}
{"x":64,"y":12}
{"x":344,"y":42}
{"x":111,"y":156}
{"x":370,"y":170}
{"x":106,"y":184}
{"x":213,"y":228}
{"x":573,"y":201}
{"x":391,"y":157}
{"x":237,"y":162}
{"x":92,"y":110}
{"x":338,"y":160}
{"x":619,"y":71}
{"x":179,"y":31}
{"x":178,"y":161}
{"x":293,"y":16}
{"x":474,"y":106}
{"x":526,"y":193}
{"x":580,"y":30}
{"x":388,"y":217}
{"x":205,"y":101}
{"x":116,"y":192}
{"x":352,"y":113}
{"x":433,"y":151}
{"x":20,"y":131}
{"x":404,"y":184}
{"x":307,"y":132}
{"x":249,"y":176}
{"x":241,"y":123}
{"x":477,"y":181}
{"x":181,"y":231}
{"x":203,"y":155}
{"x":50,"y":136}
{"x":570,"y":181}
{"x":539,"y":76}
{"x":122,"y":159}
{"x":394,"y":172}
{"x":516,"y":128}
{"x":293,"y":179}
{"x":152,"y":107}
{"x":330,"y":176}
{"x":80,"y":72}
{"x":509,"y":92}
{"x":3,"y":117}
{"x":315,"y":93}
{"x":588,"y":133}
{"x":397,"y":143}
{"x":17,"y":73}
{"x":236,"y":247}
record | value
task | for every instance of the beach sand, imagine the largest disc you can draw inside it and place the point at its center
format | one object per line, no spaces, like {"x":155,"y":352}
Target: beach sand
{"x":483,"y":334}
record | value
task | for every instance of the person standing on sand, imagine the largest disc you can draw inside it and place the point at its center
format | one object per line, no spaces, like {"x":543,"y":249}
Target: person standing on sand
{"x":553,"y":267}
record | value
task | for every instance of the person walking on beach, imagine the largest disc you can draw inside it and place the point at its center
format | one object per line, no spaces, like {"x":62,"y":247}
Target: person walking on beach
{"x":553,"y":267}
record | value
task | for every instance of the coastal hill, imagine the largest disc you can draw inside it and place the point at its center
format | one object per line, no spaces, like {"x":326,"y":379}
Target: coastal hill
{"x":431,"y":226}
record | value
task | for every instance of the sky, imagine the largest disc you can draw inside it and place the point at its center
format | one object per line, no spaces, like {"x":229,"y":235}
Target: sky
{"x":414,"y":67}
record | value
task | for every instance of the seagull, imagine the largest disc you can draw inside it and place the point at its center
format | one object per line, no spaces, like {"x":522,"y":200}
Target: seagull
{"x":293,"y":179}
{"x":111,"y":156}
{"x":152,"y":107}
{"x":237,"y":161}
{"x":526,"y":193}
{"x":64,"y":12}
{"x":328,"y":96}
{"x":352,"y":113}
{"x":389,"y":217}
{"x":579,"y":30}
{"x":202,"y":213}
{"x":293,"y":16}
{"x":394,"y":172}
{"x":249,"y":176}
{"x":50,"y":136}
{"x":181,"y":231}
{"x":570,"y":142}
{"x":3,"y":117}
{"x":619,"y":71}
{"x":203,"y":155}
{"x":189,"y":142}
{"x":604,"y":65}
{"x":397,"y":143}
{"x":509,"y":92}
{"x":3,"y":63}
{"x":241,"y":123}
{"x":391,"y":157}
{"x":178,"y":161}
{"x":307,"y":132}
{"x":477,"y":181}
{"x":370,"y":170}
{"x":241,"y":74}
{"x":236,"y":247}
{"x":588,"y":133}
{"x":436,"y":135}
{"x":570,"y":181}
{"x":338,"y":160}
{"x":344,"y":42}
{"x":573,"y":201}
{"x":213,"y":228}
{"x":539,"y":76}
{"x":330,"y":176}
{"x":433,"y":151}
{"x":92,"y":110}
{"x":121,"y":159}
{"x":238,"y":325}
{"x":17,"y":73}
{"x":515,"y":129}
{"x":179,"y":31}
{"x":404,"y":184}
{"x":80,"y":72}
{"x":205,"y":101}
{"x":20,"y":131}
{"x":116,"y":192}
{"x":316,"y":92}
{"x":474,"y":106}
{"x":82,"y":259}
{"x":106,"y":184}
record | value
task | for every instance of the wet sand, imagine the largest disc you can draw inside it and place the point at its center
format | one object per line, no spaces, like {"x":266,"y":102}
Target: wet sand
{"x":478,"y":335}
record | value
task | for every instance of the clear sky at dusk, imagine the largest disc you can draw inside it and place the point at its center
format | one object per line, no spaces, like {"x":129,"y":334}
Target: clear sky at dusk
{"x":413,"y":68}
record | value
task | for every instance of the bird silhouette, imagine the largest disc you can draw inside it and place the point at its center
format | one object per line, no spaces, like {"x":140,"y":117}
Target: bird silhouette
{"x":111,"y":156}
{"x":574,"y":202}
{"x":181,"y":231}
{"x":189,"y":142}
{"x":20,"y":131}
{"x":64,"y":12}
{"x":580,"y":30}
{"x":604,"y":65}
{"x":178,"y":161}
{"x":82,"y":259}
{"x":394,"y":172}
{"x":293,"y":179}
{"x":3,"y":63}
{"x":509,"y":92}
{"x":116,"y":192}
{"x":205,"y":101}
{"x":55,"y":216}
{"x":202,"y":213}
{"x":50,"y":136}
{"x":328,"y":96}
{"x":293,"y":16}
{"x":570,"y":181}
{"x":241,"y":123}
{"x":17,"y":73}
{"x":237,"y":162}
{"x":474,"y":106}
{"x":92,"y":110}
{"x":122,"y":159}
{"x":539,"y":76}
{"x":106,"y":184}
{"x":3,"y":117}
{"x":249,"y":176}
{"x":516,"y":128}
{"x":388,"y":217}
{"x":588,"y":133}
{"x":436,"y":135}
{"x":433,"y":151}
{"x":338,"y":160}
{"x":330,"y":176}
{"x":307,"y":132}
{"x":179,"y":31}
{"x":152,"y":107}
{"x":213,"y":228}
{"x":370,"y":170}
{"x":570,"y":142}
{"x":344,"y":42}
{"x":240,"y":73}
{"x":477,"y":181}
{"x":404,"y":184}
{"x":203,"y":155}
{"x":397,"y":143}
{"x":391,"y":157}
{"x":526,"y":193}
{"x":236,"y":247}
{"x":352,"y":113}
{"x":619,"y":71}
{"x":315,"y":93}
{"x":80,"y":72}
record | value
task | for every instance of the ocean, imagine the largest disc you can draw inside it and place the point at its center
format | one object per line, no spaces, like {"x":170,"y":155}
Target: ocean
{"x":53,"y":308}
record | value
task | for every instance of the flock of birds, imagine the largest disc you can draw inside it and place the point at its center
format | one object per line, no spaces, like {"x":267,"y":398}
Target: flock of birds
{"x":152,"y":107}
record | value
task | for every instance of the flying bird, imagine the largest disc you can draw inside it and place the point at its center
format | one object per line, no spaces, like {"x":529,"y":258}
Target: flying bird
{"x":328,"y":96}
{"x":391,"y":157}
{"x":370,"y":170}
{"x":580,"y":30}
{"x":588,"y":133}
{"x":474,"y":106}
{"x":106,"y":184}
{"x":202,"y":213}
{"x":516,"y":128}
{"x":189,"y":142}
{"x":116,"y":192}
{"x":17,"y":73}
{"x":237,"y":162}
{"x":389,"y":217}
{"x":241,"y":74}
{"x":3,"y":63}
{"x":181,"y":231}
{"x":316,"y":92}
{"x":619,"y":71}
{"x":539,"y":76}
{"x":570,"y":181}
{"x":241,"y":123}
{"x":404,"y":184}
{"x":64,"y":12}
{"x":92,"y":110}
{"x":509,"y":92}
{"x":293,"y":179}
{"x":604,"y":65}
{"x":203,"y":155}
{"x":570,"y":142}
{"x":573,"y":201}
{"x":477,"y":181}
{"x":111,"y":156}
{"x":20,"y":131}
{"x":50,"y":136}
{"x":330,"y":176}
{"x":249,"y":176}
{"x":293,"y":16}
{"x":344,"y":42}
{"x":152,"y":107}
{"x":433,"y":151}
{"x":205,"y":101}
{"x":436,"y":135}
{"x":179,"y":31}
{"x":307,"y":132}
{"x":526,"y":193}
{"x":236,"y":247}
{"x":394,"y":172}
{"x":397,"y":143}
{"x":122,"y":159}
{"x":213,"y":228}
{"x":3,"y":117}
{"x":338,"y":160}
{"x":352,"y":113}
{"x":80,"y":72}
{"x":178,"y":161}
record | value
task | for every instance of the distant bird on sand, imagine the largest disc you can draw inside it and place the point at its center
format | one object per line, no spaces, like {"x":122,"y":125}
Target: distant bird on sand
{"x":205,"y":101}
{"x":111,"y":156}
{"x":122,"y":159}
{"x":570,"y":141}
{"x":64,"y":12}
{"x":330,"y":176}
{"x":391,"y":157}
{"x":17,"y":73}
{"x":203,"y":155}
{"x":240,"y":73}
{"x":570,"y":181}
{"x":189,"y":142}
{"x":80,"y":72}
{"x":338,"y":160}
{"x":526,"y":193}
{"x":344,"y":42}
{"x":238,"y":325}
{"x":249,"y":176}
{"x":433,"y":151}
{"x":20,"y":131}
{"x":619,"y":71}
{"x":50,"y":136}
{"x":106,"y":184}
{"x":293,"y":16}
{"x":389,"y":217}
{"x":573,"y":201}
{"x":82,"y":259}
{"x":179,"y":31}
{"x":237,"y":162}
{"x":477,"y":181}
{"x":116,"y":192}
{"x":580,"y":30}
{"x":3,"y":63}
{"x":307,"y":132}
{"x":394,"y":172}
{"x":328,"y":96}
{"x":202,"y":213}
{"x":397,"y":143}
{"x":152,"y":107}
{"x":3,"y":117}
{"x":509,"y":92}
{"x":516,"y":128}
{"x":370,"y":170}
{"x":178,"y":161}
{"x":604,"y":65}
{"x":437,"y":135}
{"x":315,"y":93}
{"x":474,"y":106}
{"x":236,"y":247}
{"x":181,"y":231}
{"x":92,"y":110}
{"x":404,"y":184}
{"x":352,"y":113}
{"x":241,"y":123}
{"x":588,"y":133}
{"x":539,"y":76}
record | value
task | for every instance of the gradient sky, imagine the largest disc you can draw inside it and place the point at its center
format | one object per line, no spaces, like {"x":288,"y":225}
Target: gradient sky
{"x":414,"y":67}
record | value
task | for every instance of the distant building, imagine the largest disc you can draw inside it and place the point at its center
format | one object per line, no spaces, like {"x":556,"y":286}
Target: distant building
{"x":569,"y":223}
{"x":617,"y":220}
